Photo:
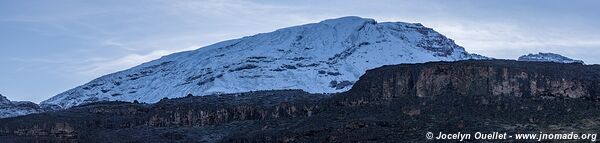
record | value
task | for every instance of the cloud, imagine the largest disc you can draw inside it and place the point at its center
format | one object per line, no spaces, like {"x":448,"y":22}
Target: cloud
{"x":211,"y":21}
{"x":204,"y":23}
{"x":510,"y":40}
{"x":108,"y":66}
{"x":128,"y":61}
{"x":490,"y":35}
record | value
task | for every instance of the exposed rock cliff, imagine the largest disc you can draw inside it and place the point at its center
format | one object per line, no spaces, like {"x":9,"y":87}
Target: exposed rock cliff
{"x":84,"y":123}
{"x":488,"y":77}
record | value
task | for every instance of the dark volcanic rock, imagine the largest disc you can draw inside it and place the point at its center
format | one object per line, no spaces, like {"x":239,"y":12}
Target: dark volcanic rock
{"x":168,"y":118}
{"x":487,"y":77}
{"x":398,"y":103}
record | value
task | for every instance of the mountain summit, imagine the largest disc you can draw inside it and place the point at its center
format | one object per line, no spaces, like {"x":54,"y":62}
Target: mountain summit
{"x":4,"y":101}
{"x":548,"y":57}
{"x":324,"y":57}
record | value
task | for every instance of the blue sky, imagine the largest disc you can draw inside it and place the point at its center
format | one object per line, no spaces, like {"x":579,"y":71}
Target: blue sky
{"x":47,"y":47}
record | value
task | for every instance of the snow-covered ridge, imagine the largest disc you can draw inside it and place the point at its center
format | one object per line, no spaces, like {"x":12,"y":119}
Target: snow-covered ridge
{"x":548,"y":57}
{"x":4,"y":101}
{"x":16,"y":108}
{"x":323,"y":57}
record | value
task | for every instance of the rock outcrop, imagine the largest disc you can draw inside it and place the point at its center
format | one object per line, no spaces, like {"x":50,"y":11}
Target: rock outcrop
{"x":487,"y":77}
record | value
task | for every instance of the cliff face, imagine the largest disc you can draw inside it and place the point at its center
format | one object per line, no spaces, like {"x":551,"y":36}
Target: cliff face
{"x":84,"y":123}
{"x":210,"y":110}
{"x":388,"y":104}
{"x":475,"y":78}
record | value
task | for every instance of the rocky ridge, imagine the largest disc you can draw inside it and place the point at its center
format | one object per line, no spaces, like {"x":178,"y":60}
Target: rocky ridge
{"x":548,"y":57}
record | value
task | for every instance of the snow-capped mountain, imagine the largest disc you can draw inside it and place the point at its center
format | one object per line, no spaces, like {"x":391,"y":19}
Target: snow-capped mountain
{"x":4,"y":101}
{"x":323,"y":57}
{"x":16,"y":108}
{"x":548,"y":57}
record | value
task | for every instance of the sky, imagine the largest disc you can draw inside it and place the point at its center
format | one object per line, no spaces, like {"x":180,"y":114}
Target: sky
{"x":48,"y":47}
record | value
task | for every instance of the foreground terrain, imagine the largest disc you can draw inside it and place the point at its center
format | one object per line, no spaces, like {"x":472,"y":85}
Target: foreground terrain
{"x":387,"y":104}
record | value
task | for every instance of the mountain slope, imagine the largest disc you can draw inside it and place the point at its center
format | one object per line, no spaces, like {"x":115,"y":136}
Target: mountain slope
{"x":328,"y":56}
{"x":548,"y":57}
{"x":16,"y":108}
{"x":397,"y":103}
